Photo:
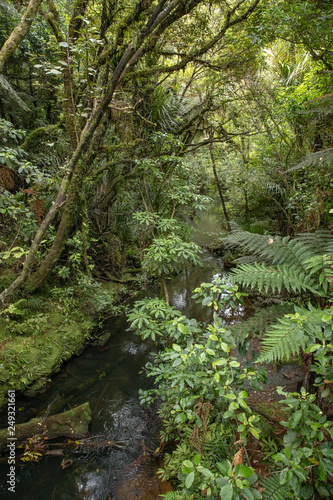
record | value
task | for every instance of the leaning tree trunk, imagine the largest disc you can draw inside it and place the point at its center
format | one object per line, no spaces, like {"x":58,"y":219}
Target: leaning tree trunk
{"x":63,"y":232}
{"x":219,"y":188}
{"x":19,"y":33}
{"x":165,"y":288}
{"x":130,"y":56}
{"x":31,"y":257}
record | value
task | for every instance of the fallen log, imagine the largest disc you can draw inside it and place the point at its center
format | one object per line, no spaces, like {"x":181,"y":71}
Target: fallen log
{"x":73,"y":424}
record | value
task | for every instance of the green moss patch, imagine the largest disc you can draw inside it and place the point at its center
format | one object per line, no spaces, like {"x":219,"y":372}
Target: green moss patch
{"x":34,"y":344}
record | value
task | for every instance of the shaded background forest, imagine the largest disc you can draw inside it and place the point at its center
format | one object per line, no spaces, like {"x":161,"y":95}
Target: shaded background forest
{"x":244,"y":84}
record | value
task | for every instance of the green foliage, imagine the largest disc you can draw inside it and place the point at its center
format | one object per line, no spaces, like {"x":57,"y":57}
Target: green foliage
{"x":203,"y":401}
{"x":86,"y":294}
{"x":306,"y":447}
{"x":300,"y":264}
{"x":256,"y":325}
{"x":9,"y":133}
{"x":170,"y":255}
{"x":219,"y":295}
{"x":273,"y":279}
{"x":201,"y":387}
{"x":303,"y":265}
{"x":307,"y":266}
{"x":273,"y":489}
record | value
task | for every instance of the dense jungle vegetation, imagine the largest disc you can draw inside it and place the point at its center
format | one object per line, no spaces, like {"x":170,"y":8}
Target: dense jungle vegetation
{"x":121,"y":122}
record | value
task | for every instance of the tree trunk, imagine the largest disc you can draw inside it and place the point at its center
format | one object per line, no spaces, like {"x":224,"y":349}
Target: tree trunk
{"x":73,"y":165}
{"x":48,"y":264}
{"x":219,"y":189}
{"x":166,"y":293}
{"x":31,"y":257}
{"x":19,"y":33}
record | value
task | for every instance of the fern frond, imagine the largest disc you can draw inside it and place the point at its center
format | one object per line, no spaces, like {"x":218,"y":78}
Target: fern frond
{"x":173,"y":495}
{"x":271,"y":249}
{"x":253,"y":243}
{"x":284,"y":340}
{"x":319,"y":158}
{"x":291,"y":258}
{"x":318,"y":243}
{"x":268,"y":278}
{"x":257,"y":324}
{"x":274,"y":188}
{"x":291,"y":334}
{"x":273,"y":489}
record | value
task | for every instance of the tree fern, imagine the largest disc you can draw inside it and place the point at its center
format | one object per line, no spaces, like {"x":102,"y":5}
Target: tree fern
{"x":298,"y":264}
{"x":319,"y":158}
{"x":274,"y":279}
{"x":257,"y":324}
{"x":283,"y":341}
{"x":273,"y":489}
{"x":291,"y":334}
{"x":173,"y":495}
{"x":272,"y":249}
{"x":302,"y":264}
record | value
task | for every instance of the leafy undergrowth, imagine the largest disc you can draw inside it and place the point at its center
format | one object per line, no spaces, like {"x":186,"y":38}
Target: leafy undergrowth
{"x":40,"y":333}
{"x":227,"y":446}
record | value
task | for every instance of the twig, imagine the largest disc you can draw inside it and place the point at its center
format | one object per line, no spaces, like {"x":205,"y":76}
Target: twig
{"x":247,"y":456}
{"x":99,"y":399}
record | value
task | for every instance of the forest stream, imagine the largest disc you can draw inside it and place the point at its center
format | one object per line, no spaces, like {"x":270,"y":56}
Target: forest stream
{"x":109,"y":377}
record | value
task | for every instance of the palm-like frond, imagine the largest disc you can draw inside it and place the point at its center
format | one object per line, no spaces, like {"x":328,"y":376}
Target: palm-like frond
{"x":291,"y":334}
{"x":257,"y":325}
{"x":288,"y":261}
{"x":272,"y":249}
{"x":319,"y":158}
{"x":273,"y":489}
{"x":296,"y":265}
{"x":284,"y":340}
{"x":274,"y":279}
{"x":319,"y":243}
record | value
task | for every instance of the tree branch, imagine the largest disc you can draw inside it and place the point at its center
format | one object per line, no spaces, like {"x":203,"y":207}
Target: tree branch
{"x":19,"y":33}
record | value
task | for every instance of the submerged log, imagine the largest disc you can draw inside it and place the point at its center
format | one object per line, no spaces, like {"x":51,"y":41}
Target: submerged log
{"x":73,"y":424}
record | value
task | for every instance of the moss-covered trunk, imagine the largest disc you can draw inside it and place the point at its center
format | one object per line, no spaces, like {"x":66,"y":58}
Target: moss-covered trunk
{"x":19,"y":33}
{"x":31,"y":257}
{"x":73,"y":424}
{"x":219,"y":189}
{"x":48,"y":264}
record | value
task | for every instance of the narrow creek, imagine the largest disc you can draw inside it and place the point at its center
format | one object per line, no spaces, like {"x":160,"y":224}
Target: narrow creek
{"x":110,"y":378}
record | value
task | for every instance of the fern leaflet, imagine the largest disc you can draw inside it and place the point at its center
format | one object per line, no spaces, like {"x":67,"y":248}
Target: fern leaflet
{"x":267,"y":278}
{"x":273,"y":489}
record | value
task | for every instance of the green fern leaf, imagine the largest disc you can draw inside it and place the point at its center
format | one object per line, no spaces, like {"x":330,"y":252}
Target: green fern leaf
{"x":256,"y":325}
{"x":273,"y":489}
{"x":284,"y":340}
{"x":282,"y":250}
{"x":268,"y":278}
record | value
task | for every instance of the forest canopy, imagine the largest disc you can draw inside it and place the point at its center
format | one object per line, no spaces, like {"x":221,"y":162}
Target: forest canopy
{"x":112,"y":96}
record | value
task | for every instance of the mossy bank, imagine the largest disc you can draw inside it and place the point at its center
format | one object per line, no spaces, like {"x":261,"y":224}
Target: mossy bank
{"x":40,"y":333}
